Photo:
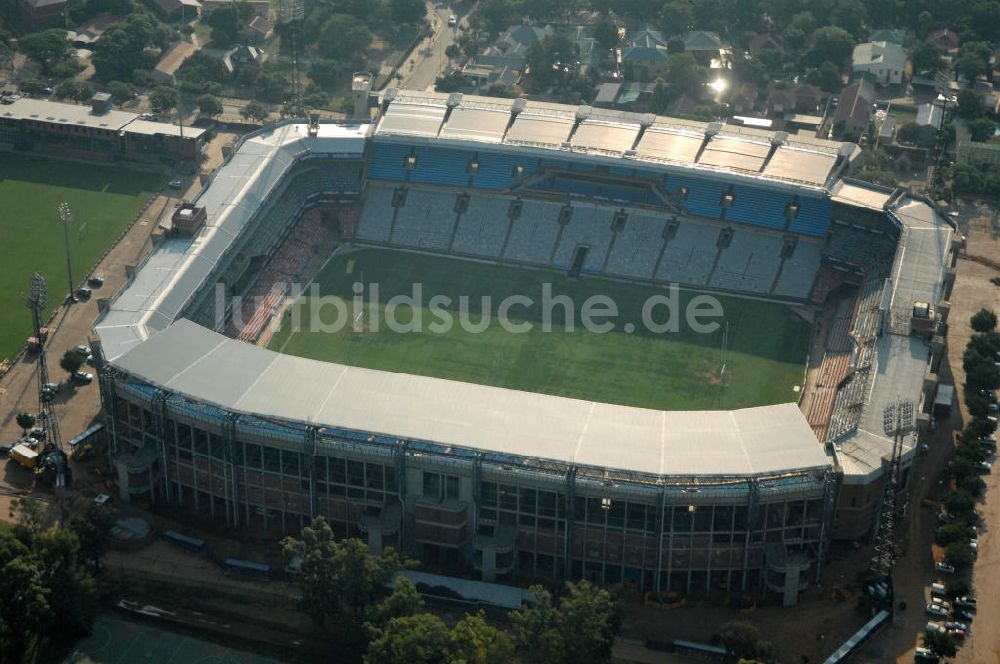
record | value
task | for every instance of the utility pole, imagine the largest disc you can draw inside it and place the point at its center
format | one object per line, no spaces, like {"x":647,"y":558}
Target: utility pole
{"x":66,"y":215}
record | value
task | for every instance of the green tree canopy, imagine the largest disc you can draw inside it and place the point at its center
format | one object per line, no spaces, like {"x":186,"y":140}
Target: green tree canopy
{"x":943,"y":645}
{"x":46,"y":47}
{"x":984,"y":320}
{"x":344,"y":38}
{"x":71,"y":361}
{"x":579,"y":630}
{"x":229,"y":23}
{"x":25,"y":421}
{"x":832,"y":44}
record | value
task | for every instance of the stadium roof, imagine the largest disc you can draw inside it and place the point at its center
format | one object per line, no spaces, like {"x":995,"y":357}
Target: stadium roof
{"x":902,"y":360}
{"x":54,"y":112}
{"x":863,"y":195}
{"x":720,"y":149}
{"x":170,"y":276}
{"x":210,"y":368}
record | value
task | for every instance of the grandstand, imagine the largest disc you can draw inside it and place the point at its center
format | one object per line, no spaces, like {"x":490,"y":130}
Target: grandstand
{"x":505,"y":484}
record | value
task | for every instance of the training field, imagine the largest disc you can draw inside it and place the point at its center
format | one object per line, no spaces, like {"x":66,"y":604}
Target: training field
{"x":765,"y":359}
{"x":103,"y":200}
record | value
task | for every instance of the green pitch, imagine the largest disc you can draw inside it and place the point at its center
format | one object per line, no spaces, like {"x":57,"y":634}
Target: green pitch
{"x":765,"y":358}
{"x":103,"y":199}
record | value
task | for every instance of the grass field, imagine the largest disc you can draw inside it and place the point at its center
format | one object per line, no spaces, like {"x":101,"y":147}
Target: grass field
{"x":103,"y":200}
{"x":767,"y":342}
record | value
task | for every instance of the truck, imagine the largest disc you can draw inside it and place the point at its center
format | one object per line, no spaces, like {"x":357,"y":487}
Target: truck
{"x":24,"y":455}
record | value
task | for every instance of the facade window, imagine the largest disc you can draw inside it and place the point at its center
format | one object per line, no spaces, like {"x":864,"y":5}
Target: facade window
{"x":440,"y":487}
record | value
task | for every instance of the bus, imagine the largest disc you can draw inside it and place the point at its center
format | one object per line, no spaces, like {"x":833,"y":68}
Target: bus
{"x":89,"y":435}
{"x":192,"y":544}
{"x":246,"y":568}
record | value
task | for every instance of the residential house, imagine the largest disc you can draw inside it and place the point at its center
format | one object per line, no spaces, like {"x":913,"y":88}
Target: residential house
{"x":991,"y":101}
{"x":854,"y":111}
{"x":524,"y":35}
{"x":648,"y":37}
{"x":706,"y":47}
{"x":261,"y":29}
{"x":243,"y":57}
{"x":743,"y":98}
{"x":799,"y":99}
{"x":767,"y":41}
{"x":886,"y":129}
{"x":890,"y":35}
{"x":512,"y":57}
{"x":931,"y":115}
{"x":90,"y":31}
{"x":172,"y":60}
{"x":945,"y":39}
{"x":176,"y":10}
{"x":884,"y":62}
{"x":37,"y":15}
{"x":260,"y":8}
{"x":606,"y":95}
{"x":482,"y":77}
{"x":644,"y":62}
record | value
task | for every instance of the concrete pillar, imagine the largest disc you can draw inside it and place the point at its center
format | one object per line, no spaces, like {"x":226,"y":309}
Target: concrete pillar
{"x":375,"y":539}
{"x":791,"y":595}
{"x":489,"y":565}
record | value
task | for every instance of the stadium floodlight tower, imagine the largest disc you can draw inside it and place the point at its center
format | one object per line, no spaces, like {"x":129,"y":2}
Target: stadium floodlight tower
{"x":38,"y":299}
{"x":66,"y":215}
{"x":897,"y":421}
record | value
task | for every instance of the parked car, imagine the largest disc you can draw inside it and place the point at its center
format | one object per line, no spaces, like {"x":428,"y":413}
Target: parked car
{"x":964,"y":614}
{"x":944,"y":604}
{"x":51,"y":388}
{"x":957,"y":625}
{"x":945,"y":567}
{"x":974,"y":545}
{"x":452,"y":21}
{"x":102,"y":500}
{"x":925,"y":655}
{"x":83,"y":293}
{"x":937,"y":610}
{"x":935,"y":627}
{"x":5,"y":451}
{"x":37,"y":433}
{"x":83,"y":350}
{"x":175,"y":184}
{"x":938,"y":589}
{"x":83,"y":378}
{"x":966,"y":602}
{"x":95,"y":281}
{"x":984,"y":466}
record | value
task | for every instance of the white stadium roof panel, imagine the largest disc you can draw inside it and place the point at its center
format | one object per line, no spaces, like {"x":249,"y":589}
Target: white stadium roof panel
{"x":550,"y":130}
{"x":862,"y":194}
{"x":476,"y":124}
{"x":794,"y":164}
{"x":606,"y":136}
{"x":404,"y":119}
{"x":669,"y":145}
{"x":210,"y":368}
{"x":737,"y":154}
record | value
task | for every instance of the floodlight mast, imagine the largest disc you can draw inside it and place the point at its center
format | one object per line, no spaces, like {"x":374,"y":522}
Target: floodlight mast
{"x":66,"y":215}
{"x":37,"y":300}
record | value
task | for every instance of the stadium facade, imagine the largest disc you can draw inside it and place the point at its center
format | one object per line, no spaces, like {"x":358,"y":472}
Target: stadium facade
{"x":506,"y":484}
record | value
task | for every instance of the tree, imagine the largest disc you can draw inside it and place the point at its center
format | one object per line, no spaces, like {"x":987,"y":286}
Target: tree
{"x":163,"y":98}
{"x":343,"y":37}
{"x":684,"y":75}
{"x":827,"y":77}
{"x":959,"y":554}
{"x":959,"y":502}
{"x":581,"y":630}
{"x":407,"y":11}
{"x":453,"y":52}
{"x":951,"y":533}
{"x":228,"y":23}
{"x":253,"y":111}
{"x":606,"y":34}
{"x":957,"y":588}
{"x":676,"y":17}
{"x":832,"y":44}
{"x":849,"y":15}
{"x":927,"y":56}
{"x":983,"y":376}
{"x":474,"y":641}
{"x":970,"y":105}
{"x":25,"y":421}
{"x":419,"y":639}
{"x":73,"y":89}
{"x":46,"y":47}
{"x":973,"y":60}
{"x":972,"y":485}
{"x":122,"y":48}
{"x":743,"y":640}
{"x":92,"y":524}
{"x":943,"y":645}
{"x":404,"y":601}
{"x":121,"y":92}
{"x":71,"y":361}
{"x":31,"y":86}
{"x":210,"y":105}
{"x":984,"y":320}
{"x":341,"y":581}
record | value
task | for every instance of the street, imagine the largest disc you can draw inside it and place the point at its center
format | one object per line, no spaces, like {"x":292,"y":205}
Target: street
{"x":428,"y":60}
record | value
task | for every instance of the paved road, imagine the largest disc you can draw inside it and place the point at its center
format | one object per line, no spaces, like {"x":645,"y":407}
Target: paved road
{"x":428,"y":60}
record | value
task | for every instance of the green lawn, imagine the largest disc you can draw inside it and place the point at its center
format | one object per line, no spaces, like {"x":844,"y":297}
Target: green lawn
{"x":103,"y":200}
{"x":767,"y":342}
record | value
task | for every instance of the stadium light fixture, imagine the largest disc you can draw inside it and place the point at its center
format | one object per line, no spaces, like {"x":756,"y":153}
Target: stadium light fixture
{"x":792,"y":210}
{"x":473,"y":166}
{"x":66,"y":216}
{"x":682,"y":193}
{"x":605,"y":503}
{"x":411,"y":162}
{"x":518,"y":171}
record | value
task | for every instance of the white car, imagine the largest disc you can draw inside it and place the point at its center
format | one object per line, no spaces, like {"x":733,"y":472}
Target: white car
{"x":957,"y":625}
{"x":452,"y":21}
{"x":937,"y":610}
{"x":974,"y":545}
{"x":935,"y":627}
{"x":945,"y":567}
{"x":984,"y":466}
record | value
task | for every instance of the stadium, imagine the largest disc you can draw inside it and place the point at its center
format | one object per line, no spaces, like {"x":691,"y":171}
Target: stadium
{"x":564,"y":457}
